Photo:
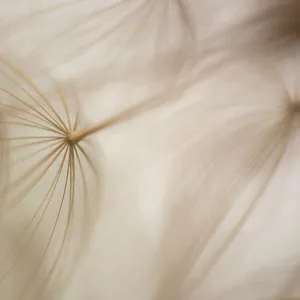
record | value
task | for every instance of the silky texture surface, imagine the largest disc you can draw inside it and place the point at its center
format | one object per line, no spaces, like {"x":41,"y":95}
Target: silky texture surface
{"x":199,"y":191}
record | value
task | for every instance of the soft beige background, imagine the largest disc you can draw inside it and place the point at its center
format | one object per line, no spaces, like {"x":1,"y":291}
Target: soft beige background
{"x":140,"y":158}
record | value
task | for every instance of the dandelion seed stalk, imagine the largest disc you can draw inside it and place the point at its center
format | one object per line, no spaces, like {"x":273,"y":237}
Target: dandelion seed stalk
{"x":76,"y":136}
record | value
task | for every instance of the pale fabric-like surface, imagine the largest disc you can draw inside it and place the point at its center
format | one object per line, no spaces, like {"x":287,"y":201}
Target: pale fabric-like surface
{"x":149,"y":160}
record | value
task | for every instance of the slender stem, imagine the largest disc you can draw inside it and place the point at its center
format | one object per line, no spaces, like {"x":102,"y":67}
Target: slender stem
{"x":76,"y":136}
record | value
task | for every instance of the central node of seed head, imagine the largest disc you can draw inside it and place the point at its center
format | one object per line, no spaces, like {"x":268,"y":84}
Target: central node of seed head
{"x":74,"y":137}
{"x":295,"y":107}
{"x":294,"y":113}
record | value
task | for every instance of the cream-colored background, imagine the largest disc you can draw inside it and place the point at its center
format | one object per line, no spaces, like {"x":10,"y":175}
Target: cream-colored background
{"x":120,"y":263}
